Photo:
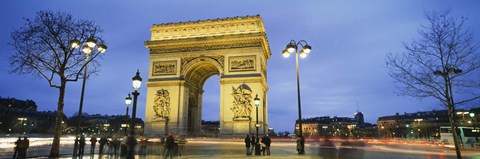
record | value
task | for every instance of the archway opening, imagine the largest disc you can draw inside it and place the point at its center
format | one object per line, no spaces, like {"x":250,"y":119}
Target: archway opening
{"x":211,"y":106}
{"x":195,"y":79}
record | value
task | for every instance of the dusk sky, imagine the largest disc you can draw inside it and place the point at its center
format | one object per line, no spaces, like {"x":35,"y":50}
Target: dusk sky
{"x":349,"y":39}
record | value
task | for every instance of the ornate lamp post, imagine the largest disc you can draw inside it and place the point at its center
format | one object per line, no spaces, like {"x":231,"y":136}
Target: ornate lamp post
{"x":128,"y":101}
{"x":256,"y":101}
{"x":87,"y":48}
{"x":291,"y":48}
{"x":131,"y":141}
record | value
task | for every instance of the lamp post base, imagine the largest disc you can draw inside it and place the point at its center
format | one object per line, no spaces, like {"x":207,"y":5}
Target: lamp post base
{"x":257,"y":150}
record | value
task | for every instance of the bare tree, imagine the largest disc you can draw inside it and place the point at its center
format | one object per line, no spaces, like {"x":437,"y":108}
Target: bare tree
{"x":42,"y":49}
{"x":442,"y":63}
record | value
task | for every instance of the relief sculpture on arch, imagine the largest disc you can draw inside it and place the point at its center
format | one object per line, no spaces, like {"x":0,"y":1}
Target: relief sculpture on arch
{"x":242,"y":103}
{"x":161,"y":105}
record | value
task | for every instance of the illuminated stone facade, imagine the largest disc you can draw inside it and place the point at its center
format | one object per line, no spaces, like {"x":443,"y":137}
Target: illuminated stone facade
{"x":184,"y":55}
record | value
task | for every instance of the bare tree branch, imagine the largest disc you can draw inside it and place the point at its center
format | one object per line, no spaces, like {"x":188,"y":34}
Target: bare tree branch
{"x":41,"y":49}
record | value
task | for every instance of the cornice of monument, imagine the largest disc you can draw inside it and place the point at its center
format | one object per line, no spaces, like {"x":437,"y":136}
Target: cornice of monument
{"x":236,"y":18}
{"x":207,"y":43}
{"x":207,"y":29}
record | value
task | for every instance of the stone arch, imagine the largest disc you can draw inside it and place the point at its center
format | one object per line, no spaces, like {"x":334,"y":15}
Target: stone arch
{"x":182,"y":60}
{"x":190,"y":64}
{"x":198,"y":70}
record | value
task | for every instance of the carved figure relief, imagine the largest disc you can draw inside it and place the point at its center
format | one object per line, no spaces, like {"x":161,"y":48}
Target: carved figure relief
{"x":242,"y":101}
{"x":242,"y":63}
{"x":164,"y":68}
{"x":161,"y":106}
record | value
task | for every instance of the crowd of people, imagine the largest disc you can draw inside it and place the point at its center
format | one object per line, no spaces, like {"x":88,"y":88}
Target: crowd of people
{"x":170,"y":145}
{"x":112,"y":144}
{"x":252,"y":141}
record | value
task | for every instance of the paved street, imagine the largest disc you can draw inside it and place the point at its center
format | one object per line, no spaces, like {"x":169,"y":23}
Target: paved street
{"x":234,"y":148}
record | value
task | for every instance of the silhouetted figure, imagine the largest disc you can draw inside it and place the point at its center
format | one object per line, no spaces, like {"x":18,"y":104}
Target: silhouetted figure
{"x":253,"y":144}
{"x":300,"y":143}
{"x":17,"y":147}
{"x":162,"y":145}
{"x":123,"y":147}
{"x":248,"y":142}
{"x":266,"y":140}
{"x":114,"y":144}
{"x":93,"y":142}
{"x":24,"y":144}
{"x":131,"y":142}
{"x":81,"y":145}
{"x":102,"y":142}
{"x":169,"y":145}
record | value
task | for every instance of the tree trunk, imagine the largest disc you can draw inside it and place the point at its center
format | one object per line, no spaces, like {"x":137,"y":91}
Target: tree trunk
{"x":55,"y":150}
{"x":451,"y":117}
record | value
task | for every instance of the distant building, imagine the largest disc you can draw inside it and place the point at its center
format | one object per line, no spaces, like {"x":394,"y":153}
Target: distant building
{"x":210,"y":128}
{"x":21,"y":117}
{"x":424,"y":124}
{"x":103,"y":124}
{"x":336,"y":127}
{"x":359,"y":117}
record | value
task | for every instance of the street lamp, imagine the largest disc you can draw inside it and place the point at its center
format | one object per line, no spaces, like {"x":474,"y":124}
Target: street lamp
{"x":256,"y":101}
{"x":87,"y":48}
{"x":291,"y":48}
{"x":128,"y":101}
{"x":131,"y":141}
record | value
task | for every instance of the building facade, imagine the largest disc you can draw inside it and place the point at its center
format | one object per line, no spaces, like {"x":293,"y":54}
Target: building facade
{"x":341,"y":127}
{"x":21,"y":117}
{"x":424,"y":124}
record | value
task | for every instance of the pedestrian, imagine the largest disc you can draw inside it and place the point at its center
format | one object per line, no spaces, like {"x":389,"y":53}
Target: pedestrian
{"x":17,"y":147}
{"x":24,"y":144}
{"x":162,"y":145}
{"x":266,"y":140}
{"x":102,"y":142}
{"x":300,"y":143}
{"x":114,"y":144}
{"x":81,"y":146}
{"x":262,"y":148}
{"x":131,"y":142}
{"x":169,"y":145}
{"x":93,"y":142}
{"x":253,"y":144}
{"x":247,"y":144}
{"x":123,"y":146}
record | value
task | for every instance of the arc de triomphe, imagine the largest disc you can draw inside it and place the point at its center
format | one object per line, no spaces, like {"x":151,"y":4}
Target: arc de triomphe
{"x":184,"y":55}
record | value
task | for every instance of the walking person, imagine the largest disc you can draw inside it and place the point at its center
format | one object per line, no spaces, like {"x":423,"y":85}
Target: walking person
{"x":253,"y":144}
{"x":93,"y":142}
{"x":300,"y":142}
{"x":267,"y":141}
{"x":81,"y":146}
{"x":248,"y":142}
{"x":114,"y":144}
{"x":17,"y":147}
{"x":102,"y":142}
{"x":24,"y":144}
{"x":169,"y":145}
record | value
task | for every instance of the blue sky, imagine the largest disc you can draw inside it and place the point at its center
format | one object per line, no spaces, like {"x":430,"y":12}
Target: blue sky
{"x":350,"y":40}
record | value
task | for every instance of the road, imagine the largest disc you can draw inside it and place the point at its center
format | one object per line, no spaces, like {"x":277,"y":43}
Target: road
{"x":234,"y":148}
